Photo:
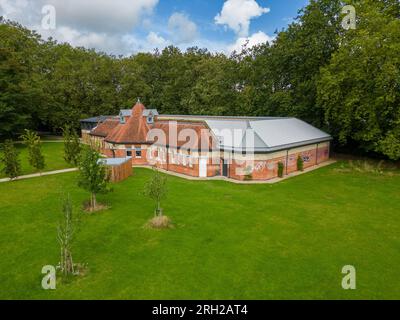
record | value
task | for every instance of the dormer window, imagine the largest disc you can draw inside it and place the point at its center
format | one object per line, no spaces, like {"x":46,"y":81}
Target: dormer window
{"x":149,"y":114}
{"x":121,"y":119}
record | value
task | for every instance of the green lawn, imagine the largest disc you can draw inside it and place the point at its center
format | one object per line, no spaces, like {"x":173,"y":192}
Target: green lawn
{"x":53,"y":153}
{"x":288,"y":240}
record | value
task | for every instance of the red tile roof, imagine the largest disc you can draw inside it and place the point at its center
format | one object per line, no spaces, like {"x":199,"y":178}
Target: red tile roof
{"x":104,"y":128}
{"x":136,"y":128}
{"x":184,"y":138}
{"x":133,"y":131}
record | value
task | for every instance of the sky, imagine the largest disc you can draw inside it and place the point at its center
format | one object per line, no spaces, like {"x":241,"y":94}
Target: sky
{"x":125,"y":27}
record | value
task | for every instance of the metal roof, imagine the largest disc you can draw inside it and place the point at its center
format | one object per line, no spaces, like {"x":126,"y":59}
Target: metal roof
{"x":96,"y":119}
{"x":114,"y":161}
{"x":265,"y":135}
{"x":202,"y":118}
{"x":125,"y":112}
{"x":147,"y":112}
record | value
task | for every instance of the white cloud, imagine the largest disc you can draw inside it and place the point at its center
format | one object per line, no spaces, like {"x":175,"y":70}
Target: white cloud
{"x":102,"y":15}
{"x":99,"y":24}
{"x":181,"y":28}
{"x":153,"y":39}
{"x":108,"y":25}
{"x":255,"y":39}
{"x":90,"y":15}
{"x":236,"y":14}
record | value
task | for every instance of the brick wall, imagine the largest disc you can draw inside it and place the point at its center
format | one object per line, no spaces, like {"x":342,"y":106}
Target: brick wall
{"x":264,"y":166}
{"x":267,"y":168}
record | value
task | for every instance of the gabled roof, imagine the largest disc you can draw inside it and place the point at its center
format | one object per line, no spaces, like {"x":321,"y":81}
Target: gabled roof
{"x":104,"y":128}
{"x":237,"y":134}
{"x":204,"y":118}
{"x":125,"y":112}
{"x":147,"y":112}
{"x":184,"y":139}
{"x":265,"y":135}
{"x":133,"y":131}
{"x":96,"y":119}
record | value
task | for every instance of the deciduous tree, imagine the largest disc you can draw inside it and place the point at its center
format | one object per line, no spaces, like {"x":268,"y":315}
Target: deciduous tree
{"x":93,"y":175}
{"x":156,"y":190}
{"x":35,"y":155}
{"x":10,"y":160}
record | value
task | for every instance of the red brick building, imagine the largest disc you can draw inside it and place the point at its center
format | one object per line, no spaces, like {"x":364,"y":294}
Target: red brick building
{"x":242,"y":148}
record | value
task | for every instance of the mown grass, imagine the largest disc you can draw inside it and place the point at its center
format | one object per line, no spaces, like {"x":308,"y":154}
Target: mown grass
{"x":53,"y":153}
{"x":288,"y":240}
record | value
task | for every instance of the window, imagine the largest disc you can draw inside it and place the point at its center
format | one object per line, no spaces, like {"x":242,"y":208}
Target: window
{"x":150,"y":119}
{"x":129,"y":153}
{"x":138,"y":152}
{"x":121,"y":119}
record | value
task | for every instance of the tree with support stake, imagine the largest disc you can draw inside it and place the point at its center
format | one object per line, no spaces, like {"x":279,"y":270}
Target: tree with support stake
{"x":66,"y":231}
{"x":93,"y":176}
{"x":156,"y":190}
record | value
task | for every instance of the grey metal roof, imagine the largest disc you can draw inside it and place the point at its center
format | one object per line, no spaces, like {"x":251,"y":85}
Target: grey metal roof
{"x":147,"y":112}
{"x":96,"y":119}
{"x":265,"y":135}
{"x":202,"y":118}
{"x":125,"y":112}
{"x":114,"y":161}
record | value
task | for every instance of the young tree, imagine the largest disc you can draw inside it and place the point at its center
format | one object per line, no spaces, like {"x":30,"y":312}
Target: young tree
{"x":93,"y":175}
{"x":156,"y":189}
{"x":72,"y":145}
{"x":35,"y":156}
{"x":10,"y":160}
{"x":67,"y":228}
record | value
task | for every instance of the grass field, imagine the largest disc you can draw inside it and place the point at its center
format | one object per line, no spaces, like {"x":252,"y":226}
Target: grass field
{"x":288,"y":240}
{"x":53,"y":153}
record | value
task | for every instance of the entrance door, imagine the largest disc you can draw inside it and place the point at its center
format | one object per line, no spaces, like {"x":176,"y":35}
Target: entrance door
{"x":203,"y":167}
{"x":224,"y":168}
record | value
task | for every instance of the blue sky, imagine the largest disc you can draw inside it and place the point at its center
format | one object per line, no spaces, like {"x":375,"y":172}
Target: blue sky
{"x":203,"y":12}
{"x":129,"y":26}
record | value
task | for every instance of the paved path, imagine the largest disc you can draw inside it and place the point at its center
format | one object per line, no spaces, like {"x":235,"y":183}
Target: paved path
{"x":271,"y":181}
{"x":34,"y":175}
{"x":324,"y":164}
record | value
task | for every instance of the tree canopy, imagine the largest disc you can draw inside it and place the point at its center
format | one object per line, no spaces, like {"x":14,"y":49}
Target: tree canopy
{"x":343,"y":81}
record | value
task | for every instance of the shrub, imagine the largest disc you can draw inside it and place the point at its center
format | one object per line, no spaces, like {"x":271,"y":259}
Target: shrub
{"x":10,"y":160}
{"x":280,"y":169}
{"x":300,"y":163}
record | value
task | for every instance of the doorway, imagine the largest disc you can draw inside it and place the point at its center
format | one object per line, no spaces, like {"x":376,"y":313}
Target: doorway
{"x":203,"y":167}
{"x":225,"y":168}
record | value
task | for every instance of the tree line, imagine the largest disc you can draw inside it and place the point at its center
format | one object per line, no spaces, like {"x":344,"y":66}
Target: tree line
{"x":346,"y":82}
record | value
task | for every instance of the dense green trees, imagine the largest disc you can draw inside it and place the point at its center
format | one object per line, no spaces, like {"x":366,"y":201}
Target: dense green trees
{"x":344,"y":81}
{"x":360,"y":88}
